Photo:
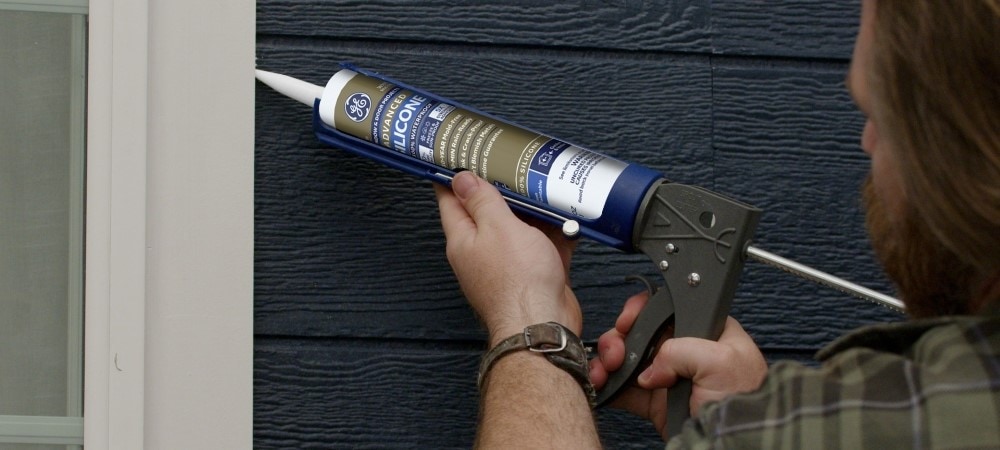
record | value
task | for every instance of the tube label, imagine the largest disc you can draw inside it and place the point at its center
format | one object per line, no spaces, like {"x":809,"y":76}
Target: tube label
{"x":569,"y":178}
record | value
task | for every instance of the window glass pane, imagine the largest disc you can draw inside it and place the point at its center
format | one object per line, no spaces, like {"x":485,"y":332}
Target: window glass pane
{"x":41,"y":213}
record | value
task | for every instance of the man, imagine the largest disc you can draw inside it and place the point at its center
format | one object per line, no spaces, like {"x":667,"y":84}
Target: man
{"x":926,"y":74}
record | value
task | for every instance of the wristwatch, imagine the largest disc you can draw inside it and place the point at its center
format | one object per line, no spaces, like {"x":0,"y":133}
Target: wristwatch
{"x":558,"y":344}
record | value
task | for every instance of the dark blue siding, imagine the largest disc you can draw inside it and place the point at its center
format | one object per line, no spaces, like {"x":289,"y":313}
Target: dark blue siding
{"x":363,"y":338}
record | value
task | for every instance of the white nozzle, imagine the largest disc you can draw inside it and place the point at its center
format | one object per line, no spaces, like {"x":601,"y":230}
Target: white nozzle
{"x":302,"y":91}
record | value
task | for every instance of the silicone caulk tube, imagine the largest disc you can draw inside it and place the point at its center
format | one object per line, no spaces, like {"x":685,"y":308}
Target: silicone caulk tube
{"x":602,"y":193}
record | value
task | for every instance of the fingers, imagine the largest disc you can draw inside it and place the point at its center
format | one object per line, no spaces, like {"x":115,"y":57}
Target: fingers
{"x":677,"y":358}
{"x":608,"y":360}
{"x":454,"y":219}
{"x":469,"y":202}
{"x":649,"y":404}
{"x":510,"y":273}
{"x":473,"y":203}
{"x":471,"y":206}
{"x":717,"y":368}
{"x":611,"y":344}
{"x":731,"y":364}
{"x":481,"y":201}
{"x":633,"y":306}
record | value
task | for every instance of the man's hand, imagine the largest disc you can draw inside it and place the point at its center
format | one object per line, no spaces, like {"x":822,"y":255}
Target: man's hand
{"x":513,"y":276}
{"x":512,"y":273}
{"x":717,"y":369}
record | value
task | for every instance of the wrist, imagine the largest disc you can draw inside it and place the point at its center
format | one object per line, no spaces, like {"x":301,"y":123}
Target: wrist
{"x":556,"y":343}
{"x":501,"y":325}
{"x":502,"y":331}
{"x":499,"y":333}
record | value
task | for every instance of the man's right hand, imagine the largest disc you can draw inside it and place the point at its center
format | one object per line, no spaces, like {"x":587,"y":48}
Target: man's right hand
{"x":717,"y":369}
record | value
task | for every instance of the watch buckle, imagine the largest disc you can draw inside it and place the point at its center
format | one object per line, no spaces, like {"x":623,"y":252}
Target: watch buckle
{"x":542,"y":346}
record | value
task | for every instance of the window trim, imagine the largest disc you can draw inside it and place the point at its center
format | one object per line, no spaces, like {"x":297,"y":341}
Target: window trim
{"x":55,"y":6}
{"x":77,"y":222}
{"x":114,"y":367}
{"x":41,"y":430}
{"x":166,"y":276}
{"x":114,"y":84}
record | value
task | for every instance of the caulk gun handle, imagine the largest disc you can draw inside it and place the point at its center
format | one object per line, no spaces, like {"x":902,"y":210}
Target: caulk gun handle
{"x":697,"y":240}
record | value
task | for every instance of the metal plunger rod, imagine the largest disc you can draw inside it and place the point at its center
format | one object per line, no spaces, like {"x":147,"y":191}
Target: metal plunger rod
{"x":824,"y":278}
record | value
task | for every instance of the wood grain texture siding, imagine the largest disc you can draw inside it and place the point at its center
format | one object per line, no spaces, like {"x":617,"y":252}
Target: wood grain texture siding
{"x":382,"y":396}
{"x":822,"y":29}
{"x":791,"y":28}
{"x":674,"y":25}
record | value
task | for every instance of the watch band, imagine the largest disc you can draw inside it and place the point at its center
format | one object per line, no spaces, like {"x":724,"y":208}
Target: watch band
{"x":558,"y":344}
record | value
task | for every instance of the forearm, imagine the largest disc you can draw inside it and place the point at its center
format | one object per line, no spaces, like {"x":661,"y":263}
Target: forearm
{"x":530,"y":403}
{"x":514,"y":276}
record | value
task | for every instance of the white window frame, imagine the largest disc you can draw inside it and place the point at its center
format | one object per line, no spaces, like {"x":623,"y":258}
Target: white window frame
{"x":169,"y":255}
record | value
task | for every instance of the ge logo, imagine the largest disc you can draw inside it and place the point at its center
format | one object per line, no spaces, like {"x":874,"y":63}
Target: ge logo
{"x":357,"y":107}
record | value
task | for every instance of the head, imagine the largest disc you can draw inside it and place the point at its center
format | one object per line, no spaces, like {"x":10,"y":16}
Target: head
{"x":926,"y":74}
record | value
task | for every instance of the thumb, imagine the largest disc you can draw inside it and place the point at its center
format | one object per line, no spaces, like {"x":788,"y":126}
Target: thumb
{"x":482,"y":201}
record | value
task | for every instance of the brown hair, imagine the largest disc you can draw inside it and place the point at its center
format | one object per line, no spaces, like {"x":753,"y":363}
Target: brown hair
{"x":936,"y":85}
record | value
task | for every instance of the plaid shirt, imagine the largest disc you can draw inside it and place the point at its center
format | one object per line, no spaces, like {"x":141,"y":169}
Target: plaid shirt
{"x":922,"y":384}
